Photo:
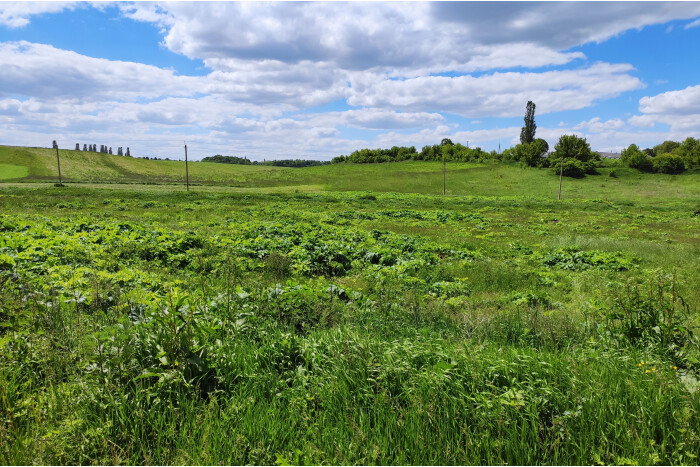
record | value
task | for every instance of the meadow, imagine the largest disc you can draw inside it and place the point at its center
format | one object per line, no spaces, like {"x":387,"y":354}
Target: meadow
{"x":346,"y":314}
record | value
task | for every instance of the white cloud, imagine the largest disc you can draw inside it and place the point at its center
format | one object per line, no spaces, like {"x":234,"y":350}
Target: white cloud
{"x":498,"y":94}
{"x":595,"y":125}
{"x":679,"y":109}
{"x":43,"y":71}
{"x":18,"y":14}
{"x":693,"y":24}
{"x":681,"y":102}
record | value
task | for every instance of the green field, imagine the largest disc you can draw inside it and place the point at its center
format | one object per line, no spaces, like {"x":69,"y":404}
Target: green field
{"x":404,"y":177}
{"x":346,"y":314}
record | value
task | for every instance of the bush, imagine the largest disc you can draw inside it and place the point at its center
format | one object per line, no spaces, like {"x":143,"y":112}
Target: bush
{"x":640,"y":161}
{"x":572,"y":168}
{"x":668,"y":164}
{"x":531,"y":153}
{"x":628,"y":152}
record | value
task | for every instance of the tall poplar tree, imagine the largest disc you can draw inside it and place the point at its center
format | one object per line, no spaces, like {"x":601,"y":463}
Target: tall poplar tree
{"x":527,"y":134}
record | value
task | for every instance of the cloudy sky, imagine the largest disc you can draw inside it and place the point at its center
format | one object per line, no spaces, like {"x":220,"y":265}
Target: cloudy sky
{"x":315,"y":80}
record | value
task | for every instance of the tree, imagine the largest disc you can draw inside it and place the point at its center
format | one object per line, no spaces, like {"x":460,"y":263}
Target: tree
{"x":527,"y":133}
{"x":628,"y":152}
{"x":446,"y":142}
{"x":572,"y":157}
{"x":636,"y":159}
{"x":573,"y":147}
{"x":689,"y":150}
{"x":666,"y":147}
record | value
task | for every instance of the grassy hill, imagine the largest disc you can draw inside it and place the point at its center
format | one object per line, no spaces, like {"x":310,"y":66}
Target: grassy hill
{"x":22,"y":164}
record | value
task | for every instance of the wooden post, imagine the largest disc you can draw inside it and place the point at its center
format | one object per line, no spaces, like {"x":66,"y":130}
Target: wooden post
{"x":58,"y":161}
{"x":561,"y":174}
{"x":444,"y":173}
{"x":187,"y":172}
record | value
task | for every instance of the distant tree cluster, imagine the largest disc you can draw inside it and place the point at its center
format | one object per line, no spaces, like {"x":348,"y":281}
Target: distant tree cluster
{"x":450,"y":151}
{"x":669,"y":157}
{"x":104,"y":149}
{"x":228,"y":160}
{"x":277,"y":163}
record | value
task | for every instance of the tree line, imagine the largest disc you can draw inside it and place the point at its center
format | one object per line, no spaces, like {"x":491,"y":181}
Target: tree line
{"x":104,"y":149}
{"x":276,"y":163}
{"x":669,"y":157}
{"x":450,"y":151}
{"x":572,"y":155}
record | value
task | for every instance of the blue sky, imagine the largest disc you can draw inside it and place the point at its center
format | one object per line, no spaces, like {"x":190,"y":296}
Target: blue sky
{"x":315,"y":80}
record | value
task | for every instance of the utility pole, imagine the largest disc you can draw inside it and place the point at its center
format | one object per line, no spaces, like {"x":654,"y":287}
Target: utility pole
{"x":58,"y":161}
{"x":561,"y":174}
{"x":187,"y":172}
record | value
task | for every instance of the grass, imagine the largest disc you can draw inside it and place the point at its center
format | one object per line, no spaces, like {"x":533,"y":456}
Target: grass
{"x":463,"y":179}
{"x":9,"y":171}
{"x":296,"y":320}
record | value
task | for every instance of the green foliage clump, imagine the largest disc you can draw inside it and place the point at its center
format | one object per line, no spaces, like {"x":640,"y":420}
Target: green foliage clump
{"x":451,"y":152}
{"x":573,"y":259}
{"x":530,"y":153}
{"x":636,"y":159}
{"x":652,"y":313}
{"x":227,"y":159}
{"x":668,"y":164}
{"x":575,"y":152}
{"x":689,"y":150}
{"x":666,"y":147}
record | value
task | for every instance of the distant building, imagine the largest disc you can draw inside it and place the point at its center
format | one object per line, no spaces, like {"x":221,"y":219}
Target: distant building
{"x":609,"y":155}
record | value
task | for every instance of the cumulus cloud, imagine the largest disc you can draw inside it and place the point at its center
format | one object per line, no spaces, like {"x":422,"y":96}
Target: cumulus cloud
{"x":43,"y":71}
{"x":399,"y":65}
{"x":679,"y":109}
{"x":595,"y":125}
{"x":498,"y":94}
{"x":682,"y":102}
{"x":559,"y":25}
{"x":18,"y":14}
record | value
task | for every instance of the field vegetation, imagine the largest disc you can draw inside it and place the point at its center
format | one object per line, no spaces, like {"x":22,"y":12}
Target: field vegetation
{"x":346,"y":314}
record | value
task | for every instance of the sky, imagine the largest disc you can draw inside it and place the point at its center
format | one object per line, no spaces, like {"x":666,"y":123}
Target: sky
{"x":315,"y":80}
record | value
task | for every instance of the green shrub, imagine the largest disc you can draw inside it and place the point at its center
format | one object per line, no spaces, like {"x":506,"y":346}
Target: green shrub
{"x":668,"y":164}
{"x":572,"y":168}
{"x":640,"y":161}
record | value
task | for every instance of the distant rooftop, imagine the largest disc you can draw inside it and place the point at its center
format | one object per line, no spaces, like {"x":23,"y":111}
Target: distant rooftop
{"x":609,"y":155}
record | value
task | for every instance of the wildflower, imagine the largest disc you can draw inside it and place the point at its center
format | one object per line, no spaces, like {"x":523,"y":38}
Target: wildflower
{"x":653,"y":369}
{"x":647,"y":371}
{"x":675,"y":368}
